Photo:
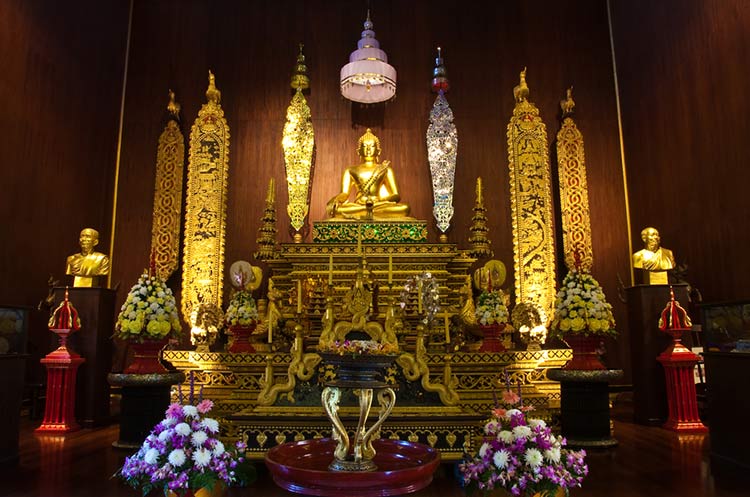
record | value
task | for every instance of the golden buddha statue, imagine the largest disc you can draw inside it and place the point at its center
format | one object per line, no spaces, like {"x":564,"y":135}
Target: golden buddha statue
{"x":87,"y":265}
{"x":653,"y":259}
{"x":377,"y":196}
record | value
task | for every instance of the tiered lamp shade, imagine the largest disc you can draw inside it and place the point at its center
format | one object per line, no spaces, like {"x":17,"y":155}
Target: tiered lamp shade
{"x":65,"y":316}
{"x":368,"y":78}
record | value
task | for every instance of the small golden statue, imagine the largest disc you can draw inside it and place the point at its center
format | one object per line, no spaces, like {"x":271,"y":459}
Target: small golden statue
{"x":377,"y":196}
{"x":87,"y":265}
{"x":653,"y":259}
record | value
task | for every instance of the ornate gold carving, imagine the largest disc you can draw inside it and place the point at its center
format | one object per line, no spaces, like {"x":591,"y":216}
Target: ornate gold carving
{"x":205,"y":217}
{"x":415,"y":367}
{"x":480,"y":243}
{"x":574,"y":196}
{"x":165,"y":229}
{"x":298,"y":142}
{"x":301,"y":368}
{"x":266,"y":240}
{"x":531,"y":203}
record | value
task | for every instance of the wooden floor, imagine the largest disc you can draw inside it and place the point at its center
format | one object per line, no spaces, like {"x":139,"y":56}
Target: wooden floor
{"x":648,"y":462}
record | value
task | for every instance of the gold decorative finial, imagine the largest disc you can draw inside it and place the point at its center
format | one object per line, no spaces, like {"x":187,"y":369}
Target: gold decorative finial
{"x":300,"y":80}
{"x":521,"y":92}
{"x":173,"y":107}
{"x":212,"y":94}
{"x":480,"y":243}
{"x":568,"y":104}
{"x":267,"y":232}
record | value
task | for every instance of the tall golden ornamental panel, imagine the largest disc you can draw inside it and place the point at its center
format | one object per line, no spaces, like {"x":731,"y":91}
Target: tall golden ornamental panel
{"x":531,"y":204}
{"x":574,"y":196}
{"x":205,"y":216}
{"x":170,"y":160}
{"x":298,"y":143}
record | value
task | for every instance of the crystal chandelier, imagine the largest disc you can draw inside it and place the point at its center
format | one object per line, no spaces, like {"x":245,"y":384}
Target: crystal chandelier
{"x":368,"y":78}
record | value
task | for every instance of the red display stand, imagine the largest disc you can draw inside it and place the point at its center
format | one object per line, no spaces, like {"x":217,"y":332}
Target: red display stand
{"x":241,"y":339}
{"x":62,"y":366}
{"x":585,"y":352}
{"x":679,"y":362}
{"x":492,"y":338}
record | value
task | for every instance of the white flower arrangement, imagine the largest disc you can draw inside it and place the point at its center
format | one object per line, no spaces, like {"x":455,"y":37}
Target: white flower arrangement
{"x":581,"y":308}
{"x":149,"y":311}
{"x":242,"y":310}
{"x":491,"y":308}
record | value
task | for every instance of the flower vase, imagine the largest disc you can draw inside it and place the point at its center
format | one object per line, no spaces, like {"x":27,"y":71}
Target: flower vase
{"x":491,"y":338}
{"x":585,"y":352}
{"x":241,"y":339}
{"x":146,"y":357}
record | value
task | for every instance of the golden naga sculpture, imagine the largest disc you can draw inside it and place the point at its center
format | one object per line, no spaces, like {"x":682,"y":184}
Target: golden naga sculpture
{"x":87,"y":265}
{"x":377,"y":196}
{"x":653,"y":259}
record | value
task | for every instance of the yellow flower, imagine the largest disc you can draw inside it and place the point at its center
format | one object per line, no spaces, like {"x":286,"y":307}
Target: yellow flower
{"x":565,"y":324}
{"x":577,"y":324}
{"x":595,"y":324}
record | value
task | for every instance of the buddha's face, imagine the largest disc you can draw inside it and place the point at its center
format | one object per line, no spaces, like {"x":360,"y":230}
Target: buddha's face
{"x":651,"y":239}
{"x":88,"y":240}
{"x":369,"y":149}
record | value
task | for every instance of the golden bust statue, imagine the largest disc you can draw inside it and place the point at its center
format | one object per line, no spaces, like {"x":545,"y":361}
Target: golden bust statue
{"x":377,"y":195}
{"x":653,"y":259}
{"x":87,"y":265}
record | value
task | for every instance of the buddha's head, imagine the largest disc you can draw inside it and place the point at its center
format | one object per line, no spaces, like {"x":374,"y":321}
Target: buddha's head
{"x":88,"y":240}
{"x":368,"y":146}
{"x":651,"y":239}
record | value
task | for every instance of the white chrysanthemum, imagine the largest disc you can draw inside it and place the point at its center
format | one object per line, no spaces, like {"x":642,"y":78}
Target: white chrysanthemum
{"x":522,"y":431}
{"x":183,"y":429}
{"x":501,"y":458}
{"x":177,"y":457}
{"x":552,"y":455}
{"x":511,"y":412}
{"x":490,"y":427}
{"x":210,"y":424}
{"x":165,"y":435}
{"x":218,"y":448}
{"x":199,"y":438}
{"x":190,"y":411}
{"x":151,"y":456}
{"x":533,"y":458}
{"x":537,"y":422}
{"x":169,"y":421}
{"x":483,"y":449}
{"x":506,"y":437}
{"x":202,"y":457}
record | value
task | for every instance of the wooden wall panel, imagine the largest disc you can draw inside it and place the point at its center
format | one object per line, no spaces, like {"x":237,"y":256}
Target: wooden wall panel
{"x":60,"y":86}
{"x":251,"y":47}
{"x":684,"y":82}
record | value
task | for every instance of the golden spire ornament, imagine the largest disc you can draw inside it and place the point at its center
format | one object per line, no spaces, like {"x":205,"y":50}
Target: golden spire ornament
{"x":298,"y":143}
{"x":480,"y":243}
{"x":531,"y":205}
{"x":266,"y":240}
{"x":167,"y":214}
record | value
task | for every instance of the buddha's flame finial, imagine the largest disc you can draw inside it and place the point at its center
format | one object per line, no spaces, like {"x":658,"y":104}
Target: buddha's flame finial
{"x":300,"y":79}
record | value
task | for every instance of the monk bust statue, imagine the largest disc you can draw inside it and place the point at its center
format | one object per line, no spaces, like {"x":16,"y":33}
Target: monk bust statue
{"x":87,"y":265}
{"x":377,"y":196}
{"x":654,"y":260}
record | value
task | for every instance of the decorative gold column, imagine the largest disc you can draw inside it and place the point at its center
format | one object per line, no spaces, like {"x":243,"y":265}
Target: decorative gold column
{"x":205,"y":216}
{"x":574,"y":195}
{"x":165,"y":228}
{"x":531,"y":204}
{"x":298,"y":143}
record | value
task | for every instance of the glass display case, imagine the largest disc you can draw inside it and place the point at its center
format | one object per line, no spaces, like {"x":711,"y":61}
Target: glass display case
{"x":726,"y":326}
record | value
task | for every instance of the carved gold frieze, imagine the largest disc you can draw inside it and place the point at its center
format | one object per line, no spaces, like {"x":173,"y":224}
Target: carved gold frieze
{"x":574,"y":195}
{"x":531,"y":204}
{"x":167,"y":215}
{"x":205,"y":216}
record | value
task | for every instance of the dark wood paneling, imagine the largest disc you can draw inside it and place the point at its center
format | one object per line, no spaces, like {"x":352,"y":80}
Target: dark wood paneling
{"x":251,"y":47}
{"x":62,"y":67}
{"x":683,"y":74}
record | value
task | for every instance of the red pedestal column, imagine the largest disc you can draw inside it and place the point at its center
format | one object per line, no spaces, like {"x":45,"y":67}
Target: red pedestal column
{"x":59,"y":411}
{"x":492,"y":338}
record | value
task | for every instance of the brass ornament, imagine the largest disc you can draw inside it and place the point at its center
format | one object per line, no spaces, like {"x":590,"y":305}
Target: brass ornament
{"x":531,"y":204}
{"x":574,"y":197}
{"x":205,"y":216}
{"x":167,"y":215}
{"x":480,"y":243}
{"x":298,"y":143}
{"x":266,"y":240}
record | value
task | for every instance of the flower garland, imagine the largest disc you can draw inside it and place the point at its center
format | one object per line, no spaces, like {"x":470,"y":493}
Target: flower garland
{"x":491,"y":308}
{"x":149,"y":311}
{"x":522,"y":455}
{"x":183,"y":452}
{"x":581,"y":308}
{"x":358,"y":348}
{"x":241,"y":310}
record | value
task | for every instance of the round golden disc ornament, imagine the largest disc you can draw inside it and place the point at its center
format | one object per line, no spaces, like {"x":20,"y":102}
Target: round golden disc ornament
{"x":245,"y":276}
{"x":490,"y":276}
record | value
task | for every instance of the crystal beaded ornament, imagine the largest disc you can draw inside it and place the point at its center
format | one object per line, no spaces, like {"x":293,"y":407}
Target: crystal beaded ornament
{"x":442,"y":147}
{"x":368,"y":78}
